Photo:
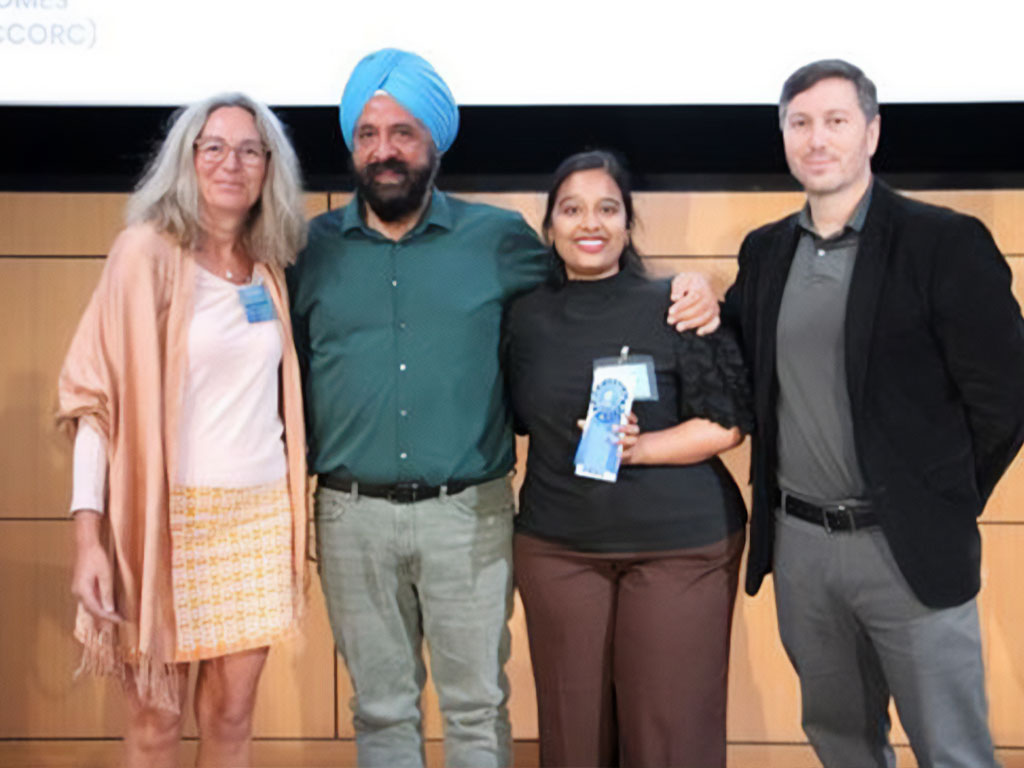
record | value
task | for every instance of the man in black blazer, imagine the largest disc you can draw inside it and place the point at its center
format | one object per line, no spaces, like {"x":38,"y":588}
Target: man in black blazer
{"x":888,"y":356}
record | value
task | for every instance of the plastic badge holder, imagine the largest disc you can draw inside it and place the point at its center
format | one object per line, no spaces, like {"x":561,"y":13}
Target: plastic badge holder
{"x":640,"y":367}
{"x":256,"y":301}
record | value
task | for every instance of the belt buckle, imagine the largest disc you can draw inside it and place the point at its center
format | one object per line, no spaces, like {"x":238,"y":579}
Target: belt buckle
{"x":841,"y":511}
{"x":403,"y":493}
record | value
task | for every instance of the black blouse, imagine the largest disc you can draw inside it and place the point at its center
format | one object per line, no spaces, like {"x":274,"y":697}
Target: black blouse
{"x":551,"y":338}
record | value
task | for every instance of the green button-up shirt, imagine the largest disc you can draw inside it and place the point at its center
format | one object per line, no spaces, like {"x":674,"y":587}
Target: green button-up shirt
{"x":398,"y":341}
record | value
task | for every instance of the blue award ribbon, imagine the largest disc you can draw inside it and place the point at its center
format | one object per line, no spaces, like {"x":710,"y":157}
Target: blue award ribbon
{"x":598,"y":452}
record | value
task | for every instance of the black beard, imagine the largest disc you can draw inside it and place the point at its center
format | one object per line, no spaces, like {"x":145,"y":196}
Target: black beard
{"x":394,"y":202}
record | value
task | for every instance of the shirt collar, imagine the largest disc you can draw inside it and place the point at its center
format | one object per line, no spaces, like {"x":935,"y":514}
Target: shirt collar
{"x":855,"y":222}
{"x":438,"y":214}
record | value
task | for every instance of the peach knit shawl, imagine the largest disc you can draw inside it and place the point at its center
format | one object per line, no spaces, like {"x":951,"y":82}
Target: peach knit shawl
{"x":124,"y":374}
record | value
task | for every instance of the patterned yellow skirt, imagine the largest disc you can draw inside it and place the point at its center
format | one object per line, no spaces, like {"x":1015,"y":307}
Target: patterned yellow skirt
{"x":231,"y":568}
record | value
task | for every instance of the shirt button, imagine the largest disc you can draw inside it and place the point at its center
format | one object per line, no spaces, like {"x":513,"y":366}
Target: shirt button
{"x":394,"y":282}
{"x":401,"y":326}
{"x":821,"y":251}
{"x":403,"y":412}
{"x":401,"y":367}
{"x":403,"y":455}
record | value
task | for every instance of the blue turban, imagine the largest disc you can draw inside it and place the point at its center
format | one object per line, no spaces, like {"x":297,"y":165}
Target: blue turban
{"x":412,"y":82}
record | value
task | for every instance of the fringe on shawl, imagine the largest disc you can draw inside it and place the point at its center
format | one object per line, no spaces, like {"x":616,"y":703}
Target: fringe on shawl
{"x":295,"y":633}
{"x":156,"y":682}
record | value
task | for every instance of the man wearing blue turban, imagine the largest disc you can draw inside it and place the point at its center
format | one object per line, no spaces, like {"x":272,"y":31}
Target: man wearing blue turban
{"x":412,"y":82}
{"x":398,"y":300}
{"x":396,"y":305}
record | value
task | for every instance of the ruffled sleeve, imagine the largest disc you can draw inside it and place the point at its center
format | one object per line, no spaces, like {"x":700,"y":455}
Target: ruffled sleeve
{"x":715,"y":383}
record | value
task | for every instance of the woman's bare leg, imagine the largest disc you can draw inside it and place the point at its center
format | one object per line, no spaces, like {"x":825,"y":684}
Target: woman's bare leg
{"x":225,"y":698}
{"x":153,"y":735}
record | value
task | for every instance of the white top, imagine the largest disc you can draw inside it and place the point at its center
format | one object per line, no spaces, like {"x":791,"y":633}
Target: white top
{"x":231,"y":434}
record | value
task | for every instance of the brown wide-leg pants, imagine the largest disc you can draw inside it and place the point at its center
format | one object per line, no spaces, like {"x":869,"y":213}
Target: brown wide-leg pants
{"x":630,"y":652}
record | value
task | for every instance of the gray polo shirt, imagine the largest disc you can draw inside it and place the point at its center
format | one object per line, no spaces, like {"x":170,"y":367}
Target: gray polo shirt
{"x":817,"y":456}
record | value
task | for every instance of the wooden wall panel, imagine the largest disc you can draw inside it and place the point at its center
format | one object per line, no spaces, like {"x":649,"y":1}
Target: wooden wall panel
{"x":720,"y":270}
{"x":668,"y":223}
{"x":764,"y":694}
{"x":332,"y":753}
{"x":338,"y":199}
{"x":714,"y":223}
{"x":73,"y":224}
{"x":705,"y":224}
{"x":692,"y":223}
{"x":316,"y":203}
{"x":523,"y":699}
{"x":529,"y":204}
{"x":1006,"y":504}
{"x":37,"y":653}
{"x":40,"y":303}
{"x":59,"y":224}
{"x":342,"y":754}
{"x":297,"y":688}
{"x":1002,"y":627}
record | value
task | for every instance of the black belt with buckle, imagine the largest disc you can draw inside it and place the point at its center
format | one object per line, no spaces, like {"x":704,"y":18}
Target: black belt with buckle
{"x":837,"y":518}
{"x":396,"y":493}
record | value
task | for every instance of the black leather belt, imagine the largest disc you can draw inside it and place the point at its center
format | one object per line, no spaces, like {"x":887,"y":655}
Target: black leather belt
{"x":396,"y":493}
{"x":832,"y":519}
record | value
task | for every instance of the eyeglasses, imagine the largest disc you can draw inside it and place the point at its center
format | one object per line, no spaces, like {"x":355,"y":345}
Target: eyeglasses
{"x":213,"y":151}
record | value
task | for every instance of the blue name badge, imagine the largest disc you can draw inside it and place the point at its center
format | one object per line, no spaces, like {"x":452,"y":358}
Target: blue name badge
{"x":598,"y":454}
{"x":258,"y":306}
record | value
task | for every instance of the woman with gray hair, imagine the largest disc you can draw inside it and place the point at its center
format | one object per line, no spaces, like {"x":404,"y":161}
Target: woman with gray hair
{"x":182,"y":389}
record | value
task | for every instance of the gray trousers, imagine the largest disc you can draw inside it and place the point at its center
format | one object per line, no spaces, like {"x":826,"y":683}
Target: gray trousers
{"x":439,"y":570}
{"x":856,"y":634}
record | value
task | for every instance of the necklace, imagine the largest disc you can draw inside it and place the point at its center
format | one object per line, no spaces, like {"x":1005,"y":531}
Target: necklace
{"x":237,"y":277}
{"x":234,"y":274}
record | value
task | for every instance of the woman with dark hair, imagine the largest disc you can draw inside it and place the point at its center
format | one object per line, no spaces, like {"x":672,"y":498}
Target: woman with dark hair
{"x":628,"y":586}
{"x":182,"y":390}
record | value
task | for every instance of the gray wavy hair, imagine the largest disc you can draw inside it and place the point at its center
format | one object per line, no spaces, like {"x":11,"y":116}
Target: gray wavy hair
{"x":167,"y":195}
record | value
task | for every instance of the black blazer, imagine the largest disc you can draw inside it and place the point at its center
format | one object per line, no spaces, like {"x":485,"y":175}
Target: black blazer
{"x":935,"y":373}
